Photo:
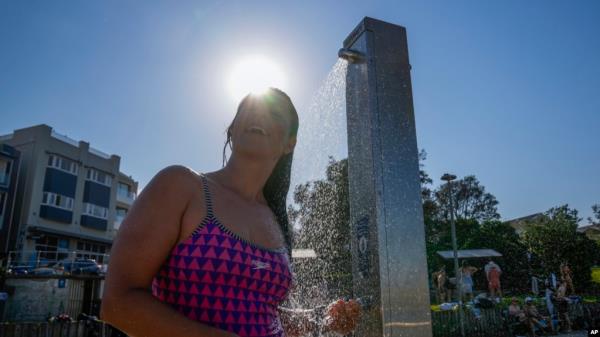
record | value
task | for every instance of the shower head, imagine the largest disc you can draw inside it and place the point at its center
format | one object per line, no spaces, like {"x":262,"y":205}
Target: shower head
{"x":352,"y":56}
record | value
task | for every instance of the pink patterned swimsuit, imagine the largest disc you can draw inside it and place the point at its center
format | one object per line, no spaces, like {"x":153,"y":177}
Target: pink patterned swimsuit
{"x":217,"y":278}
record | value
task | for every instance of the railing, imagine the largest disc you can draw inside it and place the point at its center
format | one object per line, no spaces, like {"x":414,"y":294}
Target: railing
{"x":490,"y":322}
{"x":99,"y":153}
{"x":125,"y":197}
{"x":41,"y":261}
{"x":6,"y":137}
{"x":59,"y":329}
{"x":64,"y":138}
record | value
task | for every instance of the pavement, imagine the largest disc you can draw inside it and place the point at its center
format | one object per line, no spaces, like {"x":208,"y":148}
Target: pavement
{"x":580,"y":333}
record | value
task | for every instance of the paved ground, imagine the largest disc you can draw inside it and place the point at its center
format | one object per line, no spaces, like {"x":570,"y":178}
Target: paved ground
{"x":580,"y":333}
{"x":575,"y":334}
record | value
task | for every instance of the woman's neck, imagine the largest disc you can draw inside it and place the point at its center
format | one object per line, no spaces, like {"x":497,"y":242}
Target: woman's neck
{"x":246,"y":178}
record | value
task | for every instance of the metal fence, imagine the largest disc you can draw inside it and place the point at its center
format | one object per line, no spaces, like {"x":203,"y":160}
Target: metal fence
{"x":47,"y":258}
{"x":487,"y":323}
{"x":59,"y":329}
{"x":492,"y":322}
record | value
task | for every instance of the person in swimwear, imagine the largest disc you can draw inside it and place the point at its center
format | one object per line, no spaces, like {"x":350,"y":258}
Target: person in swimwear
{"x":441,"y":282}
{"x":492,"y":273}
{"x":209,"y":254}
{"x":566,"y":277}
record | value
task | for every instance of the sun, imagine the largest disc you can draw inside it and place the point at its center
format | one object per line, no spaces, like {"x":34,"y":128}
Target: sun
{"x":254,"y":74}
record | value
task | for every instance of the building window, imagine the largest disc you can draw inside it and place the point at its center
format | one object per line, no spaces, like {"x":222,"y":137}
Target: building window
{"x":89,"y":250}
{"x":63,"y":164}
{"x":5,"y":165}
{"x":57,"y":200}
{"x":99,"y":177}
{"x":95,"y":210}
{"x":121,"y":213}
{"x":51,"y":249}
{"x":125,"y":191}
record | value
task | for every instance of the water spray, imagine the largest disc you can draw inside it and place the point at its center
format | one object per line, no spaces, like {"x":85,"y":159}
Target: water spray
{"x":352,"y":56}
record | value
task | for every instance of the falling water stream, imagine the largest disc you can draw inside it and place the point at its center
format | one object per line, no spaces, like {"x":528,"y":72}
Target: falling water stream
{"x":322,"y":131}
{"x":322,"y":136}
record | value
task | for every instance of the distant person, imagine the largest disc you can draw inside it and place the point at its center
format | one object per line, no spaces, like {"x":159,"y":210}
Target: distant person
{"x":553,"y":281}
{"x":535,"y":285}
{"x":534,"y":319}
{"x":515,"y":311}
{"x":441,"y":281}
{"x":562,"y":305}
{"x":548,"y":295}
{"x":466,"y":273}
{"x":566,"y":276}
{"x":492,"y":273}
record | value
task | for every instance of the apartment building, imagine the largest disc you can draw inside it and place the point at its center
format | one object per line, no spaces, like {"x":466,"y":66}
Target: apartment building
{"x":70,"y":198}
{"x":9,"y":169}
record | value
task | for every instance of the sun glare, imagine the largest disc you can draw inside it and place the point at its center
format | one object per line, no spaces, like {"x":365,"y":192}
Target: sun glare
{"x":254,"y":75}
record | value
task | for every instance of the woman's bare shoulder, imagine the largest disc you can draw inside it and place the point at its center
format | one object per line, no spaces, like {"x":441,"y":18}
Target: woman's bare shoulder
{"x":177,"y":171}
{"x":179,"y":176}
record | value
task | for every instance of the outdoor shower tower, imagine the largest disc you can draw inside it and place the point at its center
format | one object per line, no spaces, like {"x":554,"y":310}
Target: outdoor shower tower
{"x":388,"y":239}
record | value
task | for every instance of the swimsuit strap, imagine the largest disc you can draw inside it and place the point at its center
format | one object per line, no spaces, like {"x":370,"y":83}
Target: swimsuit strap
{"x":207,"y":198}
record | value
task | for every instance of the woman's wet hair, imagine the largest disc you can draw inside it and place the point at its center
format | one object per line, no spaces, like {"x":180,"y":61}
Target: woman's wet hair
{"x":278,"y":184}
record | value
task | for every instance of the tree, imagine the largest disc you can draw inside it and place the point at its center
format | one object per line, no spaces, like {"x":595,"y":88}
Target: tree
{"x":596,"y":219}
{"x":554,"y":239}
{"x":322,"y":216}
{"x":430,"y":208}
{"x":470,"y":199}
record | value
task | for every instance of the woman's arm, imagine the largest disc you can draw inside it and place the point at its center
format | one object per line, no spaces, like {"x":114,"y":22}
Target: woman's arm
{"x":144,"y":241}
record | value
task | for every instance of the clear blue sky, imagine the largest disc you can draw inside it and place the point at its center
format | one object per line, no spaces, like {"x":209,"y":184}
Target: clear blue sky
{"x":508,"y":90}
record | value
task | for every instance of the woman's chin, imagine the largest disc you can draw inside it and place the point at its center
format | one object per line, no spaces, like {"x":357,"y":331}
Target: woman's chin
{"x":255,"y":151}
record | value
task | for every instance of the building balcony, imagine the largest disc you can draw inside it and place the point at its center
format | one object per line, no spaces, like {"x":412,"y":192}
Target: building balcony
{"x":117,"y":223}
{"x":125,"y":197}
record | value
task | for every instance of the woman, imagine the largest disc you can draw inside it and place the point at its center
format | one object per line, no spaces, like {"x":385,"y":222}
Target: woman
{"x":562,"y":305}
{"x":566,"y":276}
{"x":493,"y":272}
{"x":441,"y":283}
{"x":466,"y":273}
{"x":216,"y":247}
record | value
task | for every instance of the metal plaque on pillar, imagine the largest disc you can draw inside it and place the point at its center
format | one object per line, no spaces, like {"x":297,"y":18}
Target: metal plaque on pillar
{"x":388,"y":237}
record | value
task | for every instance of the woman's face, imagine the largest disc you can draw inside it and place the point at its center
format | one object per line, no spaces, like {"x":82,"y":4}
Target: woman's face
{"x":262,"y":131}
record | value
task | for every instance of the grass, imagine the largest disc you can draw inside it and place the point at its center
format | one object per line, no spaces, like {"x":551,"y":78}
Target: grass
{"x":596,"y":275}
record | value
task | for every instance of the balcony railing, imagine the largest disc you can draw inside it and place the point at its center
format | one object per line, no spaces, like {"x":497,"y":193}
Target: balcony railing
{"x":125,"y":197}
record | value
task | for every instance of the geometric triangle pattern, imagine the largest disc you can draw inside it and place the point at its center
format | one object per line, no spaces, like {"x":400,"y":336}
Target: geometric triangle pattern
{"x":217,"y":278}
